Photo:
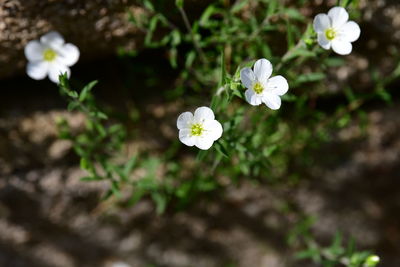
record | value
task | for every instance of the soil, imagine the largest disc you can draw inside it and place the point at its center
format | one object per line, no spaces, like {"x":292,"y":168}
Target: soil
{"x":49,"y":218}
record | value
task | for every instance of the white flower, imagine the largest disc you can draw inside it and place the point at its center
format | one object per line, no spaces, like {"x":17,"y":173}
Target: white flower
{"x":260,"y":87}
{"x":334,"y":30}
{"x":50,"y":56}
{"x":200,"y":130}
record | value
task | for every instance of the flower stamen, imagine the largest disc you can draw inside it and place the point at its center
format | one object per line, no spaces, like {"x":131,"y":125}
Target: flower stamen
{"x":330,"y":34}
{"x":49,"y":55}
{"x":258,"y":88}
{"x":196,"y":129}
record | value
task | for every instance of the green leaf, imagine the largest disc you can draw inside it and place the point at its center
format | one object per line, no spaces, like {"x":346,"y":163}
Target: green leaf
{"x":372,"y":261}
{"x":272,"y":6}
{"x":63,"y":81}
{"x":238,"y":6}
{"x":307,"y":254}
{"x":220,"y":147}
{"x":201,"y":155}
{"x":222,"y":69}
{"x":73,"y":105}
{"x":148,"y":5}
{"x":130,"y":165}
{"x":161,"y":202}
{"x":91,"y":178}
{"x":294,"y":14}
{"x":173,"y":53}
{"x":205,"y":17}
{"x":190,"y":58}
{"x":310,"y":77}
{"x":85,"y":91}
{"x":136,"y":196}
{"x":84,"y":164}
{"x":115,"y":189}
{"x":175,"y":38}
{"x":100,"y":129}
{"x":179,"y":3}
{"x":299,"y":52}
{"x":289,"y":35}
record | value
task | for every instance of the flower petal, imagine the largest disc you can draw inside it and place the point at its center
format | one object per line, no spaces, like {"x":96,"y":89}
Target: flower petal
{"x":68,"y":54}
{"x":247,"y":77}
{"x":184,"y":120}
{"x":252,"y":97}
{"x":34,"y":51}
{"x":52,"y":39}
{"x":37,"y":70}
{"x":338,"y":15}
{"x":263,"y":70}
{"x":203,"y":142}
{"x":342,"y":47}
{"x":213,"y":129}
{"x":56,"y":69}
{"x":350,"y":31}
{"x":323,"y":41}
{"x":277,"y":85}
{"x":321,"y":23}
{"x":186,"y":138}
{"x":203,"y":113}
{"x":272,"y":101}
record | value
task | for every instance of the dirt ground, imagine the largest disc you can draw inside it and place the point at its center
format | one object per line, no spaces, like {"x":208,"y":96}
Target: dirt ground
{"x":49,"y":218}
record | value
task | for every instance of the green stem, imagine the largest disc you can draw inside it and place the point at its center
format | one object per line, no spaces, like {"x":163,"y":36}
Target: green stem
{"x":195,"y":42}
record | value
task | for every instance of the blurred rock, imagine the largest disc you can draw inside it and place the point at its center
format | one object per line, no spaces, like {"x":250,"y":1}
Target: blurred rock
{"x":97,"y":27}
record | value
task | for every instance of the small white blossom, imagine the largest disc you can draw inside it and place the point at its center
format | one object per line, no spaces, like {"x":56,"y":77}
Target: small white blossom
{"x":200,"y":129}
{"x":260,"y":87}
{"x":334,"y":30}
{"x":50,"y":56}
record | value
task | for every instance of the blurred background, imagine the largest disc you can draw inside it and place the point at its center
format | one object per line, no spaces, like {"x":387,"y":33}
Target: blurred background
{"x":49,"y":217}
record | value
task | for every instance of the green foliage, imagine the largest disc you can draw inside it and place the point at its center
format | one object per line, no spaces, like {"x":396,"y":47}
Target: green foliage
{"x":336,"y":254}
{"x":207,"y":51}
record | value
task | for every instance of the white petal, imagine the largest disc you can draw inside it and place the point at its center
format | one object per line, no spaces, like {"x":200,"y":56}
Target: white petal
{"x":56,"y":69}
{"x":338,"y":15}
{"x":252,"y":97}
{"x":213,"y":129}
{"x":247,"y":77}
{"x":203,"y":142}
{"x":321,"y":23}
{"x":342,"y":47}
{"x":184,"y":120}
{"x":52,"y":39}
{"x":277,"y":85}
{"x":34,"y":51}
{"x":186,"y":138}
{"x":263,"y":70}
{"x":203,"y":113}
{"x":68,"y":54}
{"x":350,"y":31}
{"x":323,"y":41}
{"x":272,"y":101}
{"x":37,"y":70}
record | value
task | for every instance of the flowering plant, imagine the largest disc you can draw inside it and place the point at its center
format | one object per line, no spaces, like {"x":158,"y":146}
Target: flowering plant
{"x":222,"y":60}
{"x":50,"y":56}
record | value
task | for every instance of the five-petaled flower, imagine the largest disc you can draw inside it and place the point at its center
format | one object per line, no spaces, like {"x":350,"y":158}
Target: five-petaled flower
{"x":260,"y":87}
{"x":200,"y":129}
{"x":334,"y":30}
{"x":50,"y":56}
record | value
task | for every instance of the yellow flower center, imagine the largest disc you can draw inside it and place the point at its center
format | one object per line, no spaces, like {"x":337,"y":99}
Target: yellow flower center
{"x":196,"y":129}
{"x":258,"y":88}
{"x":330,"y":34}
{"x":49,"y":54}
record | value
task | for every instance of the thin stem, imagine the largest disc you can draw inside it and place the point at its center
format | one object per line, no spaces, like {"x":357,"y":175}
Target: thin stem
{"x":261,"y":26}
{"x":189,"y":29}
{"x":289,"y":53}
